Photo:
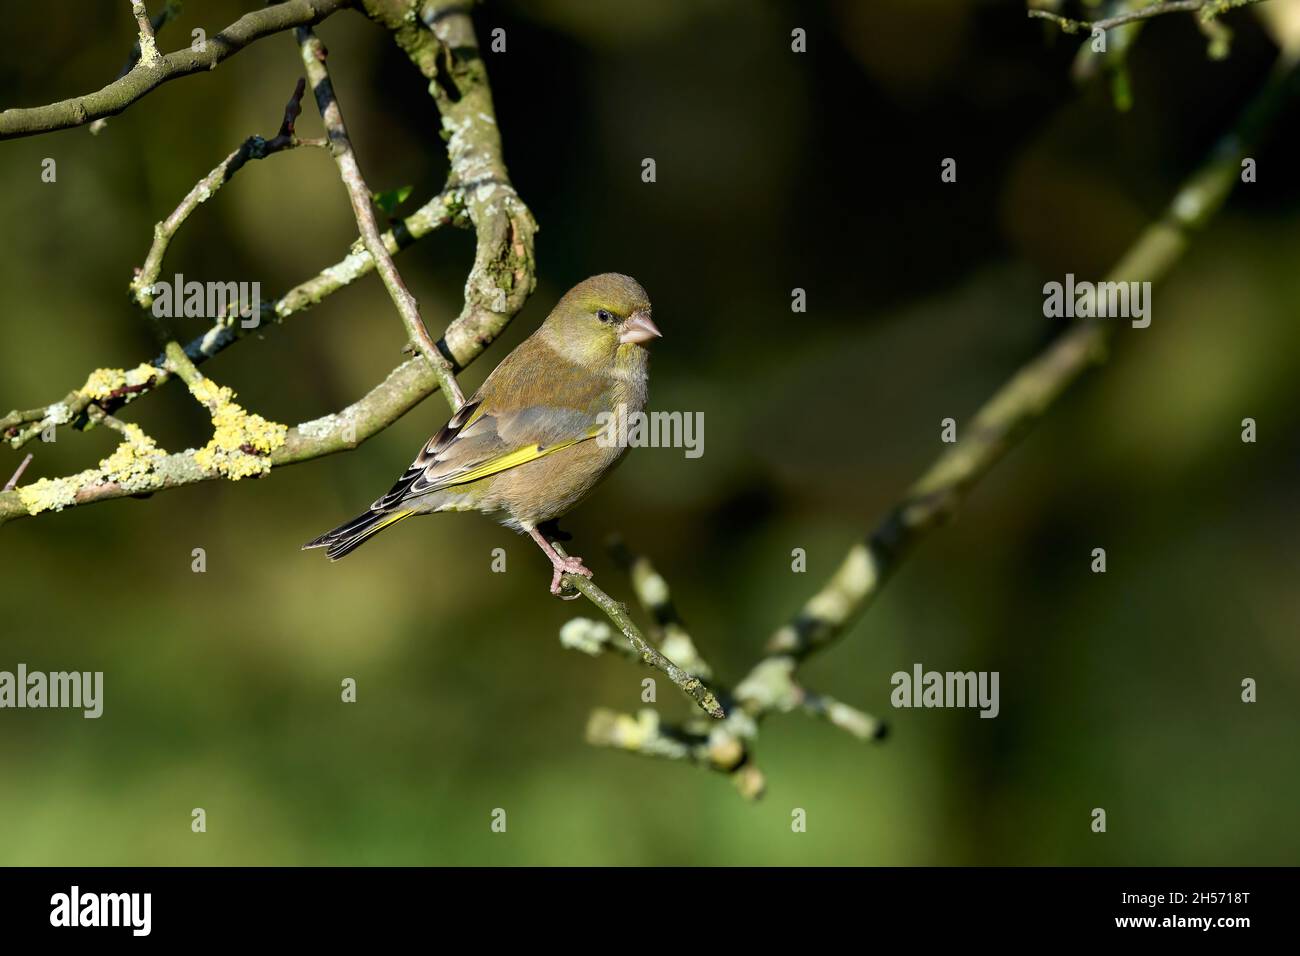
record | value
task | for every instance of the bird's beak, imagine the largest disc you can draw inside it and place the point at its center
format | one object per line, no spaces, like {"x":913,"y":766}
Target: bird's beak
{"x":638,"y":329}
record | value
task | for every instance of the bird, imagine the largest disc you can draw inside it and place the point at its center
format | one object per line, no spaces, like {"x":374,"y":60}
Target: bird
{"x":537,"y":435}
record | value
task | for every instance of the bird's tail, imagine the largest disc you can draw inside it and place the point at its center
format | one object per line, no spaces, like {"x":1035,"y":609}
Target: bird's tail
{"x":350,"y":535}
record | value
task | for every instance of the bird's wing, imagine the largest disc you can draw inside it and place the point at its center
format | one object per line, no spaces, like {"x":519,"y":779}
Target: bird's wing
{"x":477,"y":443}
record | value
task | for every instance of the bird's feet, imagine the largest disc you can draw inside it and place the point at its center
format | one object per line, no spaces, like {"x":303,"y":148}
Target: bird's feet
{"x":560,"y":564}
{"x":561,"y":567}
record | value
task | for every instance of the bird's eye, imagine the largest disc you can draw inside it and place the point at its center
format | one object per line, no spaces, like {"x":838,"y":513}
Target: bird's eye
{"x":605,"y":315}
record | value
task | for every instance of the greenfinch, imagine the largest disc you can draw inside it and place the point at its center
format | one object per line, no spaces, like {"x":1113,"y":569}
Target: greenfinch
{"x":527,"y":446}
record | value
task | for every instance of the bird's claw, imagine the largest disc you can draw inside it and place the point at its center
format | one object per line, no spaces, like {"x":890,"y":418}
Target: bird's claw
{"x":563,"y":566}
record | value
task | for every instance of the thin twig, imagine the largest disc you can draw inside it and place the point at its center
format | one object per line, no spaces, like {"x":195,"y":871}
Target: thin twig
{"x":156,"y":23}
{"x":101,"y":417}
{"x":148,"y":48}
{"x":255,"y":147}
{"x":654,"y":596}
{"x":180,"y":365}
{"x":121,"y":93}
{"x":1209,"y":8}
{"x":1007,"y":416}
{"x":844,"y":716}
{"x":12,"y":483}
{"x":313,"y":58}
{"x":693,"y":687}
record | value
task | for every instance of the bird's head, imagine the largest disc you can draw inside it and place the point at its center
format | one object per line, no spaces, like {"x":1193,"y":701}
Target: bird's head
{"x":604,"y":319}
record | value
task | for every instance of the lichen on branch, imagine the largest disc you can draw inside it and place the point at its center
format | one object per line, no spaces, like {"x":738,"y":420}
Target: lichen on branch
{"x":133,"y":466}
{"x":241,"y":442}
{"x":497,"y":286}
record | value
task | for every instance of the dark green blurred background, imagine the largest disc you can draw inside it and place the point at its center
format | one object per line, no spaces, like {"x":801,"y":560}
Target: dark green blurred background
{"x":774,"y":171}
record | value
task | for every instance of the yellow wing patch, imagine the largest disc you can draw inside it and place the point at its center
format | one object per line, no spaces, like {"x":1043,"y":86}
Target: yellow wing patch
{"x":514,"y":459}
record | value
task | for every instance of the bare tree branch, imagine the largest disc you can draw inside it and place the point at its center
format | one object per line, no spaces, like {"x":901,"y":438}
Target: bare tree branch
{"x":1208,"y":10}
{"x":149,"y":54}
{"x":771,"y":686}
{"x":159,"y":20}
{"x":441,"y":43}
{"x":655,"y":598}
{"x":499,"y":282}
{"x":245,"y":444}
{"x":145,"y":77}
{"x":691,"y":686}
{"x":18,"y":473}
{"x":21,"y":426}
{"x":340,"y":145}
{"x":255,"y":147}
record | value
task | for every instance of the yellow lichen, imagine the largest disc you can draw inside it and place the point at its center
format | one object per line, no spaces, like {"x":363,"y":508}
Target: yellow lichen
{"x":240,"y":446}
{"x":54,"y":494}
{"x":134,"y":460}
{"x":133,"y":465}
{"x":241,"y":441}
{"x":103,"y":382}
